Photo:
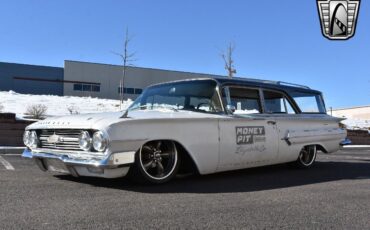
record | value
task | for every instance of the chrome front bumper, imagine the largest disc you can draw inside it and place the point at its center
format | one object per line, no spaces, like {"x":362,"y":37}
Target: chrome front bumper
{"x":113,"y":166}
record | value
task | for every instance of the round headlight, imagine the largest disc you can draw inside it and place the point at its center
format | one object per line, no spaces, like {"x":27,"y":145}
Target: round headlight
{"x":26,"y":138}
{"x":33,"y":141}
{"x":30,"y":139}
{"x":84,"y":140}
{"x":100,"y":141}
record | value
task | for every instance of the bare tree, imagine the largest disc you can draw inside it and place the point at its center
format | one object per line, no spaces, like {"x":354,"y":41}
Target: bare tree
{"x":37,"y":111}
{"x":228,"y":60}
{"x":127,"y":60}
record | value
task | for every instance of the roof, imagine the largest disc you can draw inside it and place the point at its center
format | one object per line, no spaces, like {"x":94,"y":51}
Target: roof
{"x":278,"y":85}
{"x":267,"y":84}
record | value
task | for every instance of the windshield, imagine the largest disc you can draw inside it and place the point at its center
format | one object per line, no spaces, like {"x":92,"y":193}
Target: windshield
{"x":198,"y":96}
{"x":309,"y":103}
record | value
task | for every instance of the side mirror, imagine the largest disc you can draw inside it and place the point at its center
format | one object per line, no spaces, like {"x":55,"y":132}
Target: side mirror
{"x":230,"y":109}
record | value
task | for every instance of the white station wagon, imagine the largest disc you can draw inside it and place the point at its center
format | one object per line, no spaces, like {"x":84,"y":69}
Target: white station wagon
{"x":199,"y":125}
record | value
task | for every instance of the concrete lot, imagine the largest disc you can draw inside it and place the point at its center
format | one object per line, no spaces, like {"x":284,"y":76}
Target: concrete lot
{"x":335,"y":194}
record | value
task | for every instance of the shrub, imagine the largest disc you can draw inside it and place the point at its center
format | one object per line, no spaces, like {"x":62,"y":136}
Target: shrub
{"x":1,"y":107}
{"x":72,"y":109}
{"x":37,"y":111}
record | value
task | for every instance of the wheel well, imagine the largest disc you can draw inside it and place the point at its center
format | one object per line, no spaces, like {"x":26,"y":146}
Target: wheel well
{"x":187,"y":164}
{"x":321,"y":148}
{"x":318,"y":148}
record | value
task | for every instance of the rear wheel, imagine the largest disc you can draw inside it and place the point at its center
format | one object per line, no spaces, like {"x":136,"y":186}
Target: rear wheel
{"x":156,"y":162}
{"x":307,"y":156}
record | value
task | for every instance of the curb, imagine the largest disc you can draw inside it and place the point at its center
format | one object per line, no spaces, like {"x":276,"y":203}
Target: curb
{"x":356,"y":147}
{"x":11,"y":150}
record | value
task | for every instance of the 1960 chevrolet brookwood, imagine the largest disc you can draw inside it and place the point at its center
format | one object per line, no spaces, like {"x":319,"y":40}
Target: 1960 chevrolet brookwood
{"x":203,"y":125}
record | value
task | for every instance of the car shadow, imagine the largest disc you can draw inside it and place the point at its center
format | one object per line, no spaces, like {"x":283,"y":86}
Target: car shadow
{"x":247,"y":180}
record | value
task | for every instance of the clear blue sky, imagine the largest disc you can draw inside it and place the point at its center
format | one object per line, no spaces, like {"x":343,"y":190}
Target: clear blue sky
{"x":276,"y":40}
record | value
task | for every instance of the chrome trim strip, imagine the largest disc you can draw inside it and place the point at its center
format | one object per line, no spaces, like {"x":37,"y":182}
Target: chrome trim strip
{"x":75,"y":153}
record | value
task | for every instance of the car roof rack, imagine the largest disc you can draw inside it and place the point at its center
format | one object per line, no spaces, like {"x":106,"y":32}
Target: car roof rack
{"x":274,"y":82}
{"x":256,"y":80}
{"x":292,"y":84}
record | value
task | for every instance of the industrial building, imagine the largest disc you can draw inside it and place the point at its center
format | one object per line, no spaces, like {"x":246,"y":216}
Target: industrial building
{"x":31,"y":79}
{"x":85,"y":79}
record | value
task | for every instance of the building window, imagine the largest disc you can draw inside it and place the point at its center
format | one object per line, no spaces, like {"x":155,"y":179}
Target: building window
{"x":138,"y":91}
{"x":77,"y":87}
{"x":130,"y":90}
{"x":86,"y":87}
{"x":96,"y":88}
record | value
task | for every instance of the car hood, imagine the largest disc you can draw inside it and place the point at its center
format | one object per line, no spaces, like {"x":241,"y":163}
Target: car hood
{"x":103,"y":120}
{"x":85,"y":121}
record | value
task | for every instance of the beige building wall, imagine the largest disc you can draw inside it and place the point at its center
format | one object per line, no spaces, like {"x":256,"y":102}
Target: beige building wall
{"x":353,"y":113}
{"x":109,"y":76}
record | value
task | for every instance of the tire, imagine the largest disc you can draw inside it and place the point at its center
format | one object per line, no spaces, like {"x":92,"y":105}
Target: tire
{"x":307,"y":157}
{"x":156,"y":162}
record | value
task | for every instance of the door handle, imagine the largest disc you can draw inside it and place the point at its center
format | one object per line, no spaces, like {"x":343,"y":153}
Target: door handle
{"x":271,"y":122}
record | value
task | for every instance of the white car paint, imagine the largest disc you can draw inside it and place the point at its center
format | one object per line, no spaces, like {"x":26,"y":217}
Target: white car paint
{"x":215,"y":142}
{"x":209,"y":139}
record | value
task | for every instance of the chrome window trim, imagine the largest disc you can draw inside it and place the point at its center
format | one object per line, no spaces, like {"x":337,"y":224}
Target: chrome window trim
{"x":262,"y":98}
{"x":244,"y":87}
{"x":224,"y":111}
{"x":290,"y":100}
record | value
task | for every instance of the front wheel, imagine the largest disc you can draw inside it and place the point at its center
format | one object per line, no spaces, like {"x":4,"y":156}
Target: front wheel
{"x":307,"y":156}
{"x":156,"y":162}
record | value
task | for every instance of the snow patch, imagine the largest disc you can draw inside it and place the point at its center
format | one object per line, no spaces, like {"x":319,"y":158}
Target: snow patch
{"x":17,"y":103}
{"x":357,"y":124}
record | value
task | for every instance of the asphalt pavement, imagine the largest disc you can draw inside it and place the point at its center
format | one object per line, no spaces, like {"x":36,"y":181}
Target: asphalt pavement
{"x":334,"y":194}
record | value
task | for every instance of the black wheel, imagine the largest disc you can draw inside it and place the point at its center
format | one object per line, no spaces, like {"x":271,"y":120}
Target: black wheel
{"x":307,"y":156}
{"x":156,"y":162}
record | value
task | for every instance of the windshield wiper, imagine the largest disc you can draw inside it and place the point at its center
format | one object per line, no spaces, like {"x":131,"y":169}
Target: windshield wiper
{"x":125,"y":115}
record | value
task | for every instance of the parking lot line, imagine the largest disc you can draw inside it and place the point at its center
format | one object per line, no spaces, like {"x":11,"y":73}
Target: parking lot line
{"x":6,"y":164}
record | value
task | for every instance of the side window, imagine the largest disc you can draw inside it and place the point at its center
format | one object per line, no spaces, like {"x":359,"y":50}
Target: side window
{"x":309,"y":103}
{"x":276,"y":102}
{"x":245,"y":100}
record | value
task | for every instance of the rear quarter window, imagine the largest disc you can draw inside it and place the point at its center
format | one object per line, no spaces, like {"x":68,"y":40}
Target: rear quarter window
{"x":308,"y":102}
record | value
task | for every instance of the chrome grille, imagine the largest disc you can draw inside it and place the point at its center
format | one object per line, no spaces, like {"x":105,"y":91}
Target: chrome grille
{"x":68,"y":139}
